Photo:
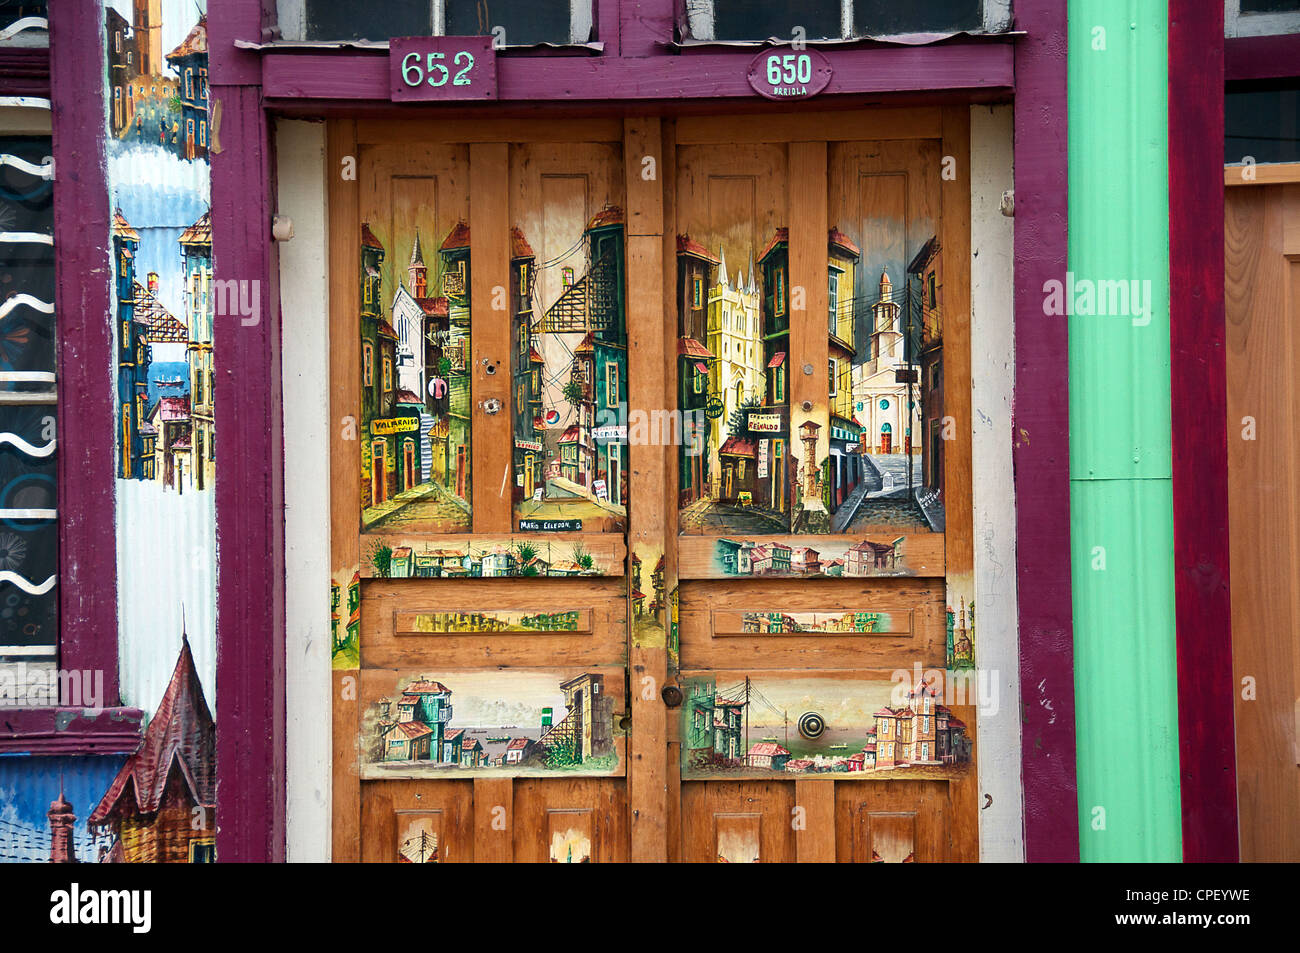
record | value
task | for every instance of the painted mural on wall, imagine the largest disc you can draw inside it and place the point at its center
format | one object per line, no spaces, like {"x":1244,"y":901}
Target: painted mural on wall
{"x":415,"y":374}
{"x":157,"y":805}
{"x":826,"y":622}
{"x":569,"y":364}
{"x":760,"y":725}
{"x":44,"y":805}
{"x":159,"y":137}
{"x":517,"y":722}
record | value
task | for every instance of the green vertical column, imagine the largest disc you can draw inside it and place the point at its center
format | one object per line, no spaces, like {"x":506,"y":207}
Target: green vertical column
{"x":1121,"y":504}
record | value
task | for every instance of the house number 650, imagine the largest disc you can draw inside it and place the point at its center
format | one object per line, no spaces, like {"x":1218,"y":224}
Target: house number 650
{"x":434,"y":71}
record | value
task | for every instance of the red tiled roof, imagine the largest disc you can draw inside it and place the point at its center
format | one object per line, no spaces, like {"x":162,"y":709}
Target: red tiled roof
{"x":196,"y":42}
{"x":886,"y":713}
{"x":837,"y":237}
{"x":368,"y":238}
{"x":766,"y":748}
{"x":782,"y":235}
{"x":738,"y":446}
{"x":412,"y":729}
{"x":458,"y":237}
{"x":453,"y":734}
{"x":777,"y":359}
{"x":569,"y":435}
{"x":609,"y":215}
{"x":517,"y":743}
{"x":588,"y":343}
{"x":121,"y":229}
{"x":433,"y":307}
{"x":689,"y":347}
{"x":519,"y":247}
{"x":386,"y":330}
{"x":534,"y":357}
{"x":425,"y":686}
{"x":200,"y":233}
{"x":181,"y":737}
{"x":408,"y":397}
{"x":687,"y":246}
{"x":171,"y":408}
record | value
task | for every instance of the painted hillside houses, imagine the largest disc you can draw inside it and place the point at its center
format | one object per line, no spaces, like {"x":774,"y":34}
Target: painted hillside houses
{"x":417,"y":728}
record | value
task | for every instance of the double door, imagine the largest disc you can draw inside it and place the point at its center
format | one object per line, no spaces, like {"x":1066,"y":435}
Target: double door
{"x":641,"y":548}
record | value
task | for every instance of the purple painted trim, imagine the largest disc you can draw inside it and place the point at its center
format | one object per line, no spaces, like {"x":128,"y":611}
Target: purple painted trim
{"x":1042,"y":440}
{"x":250,"y":499}
{"x":70,"y":731}
{"x":1199,"y":393}
{"x":352,"y":75}
{"x":1261,"y":57}
{"x":230,"y":20}
{"x":83,"y":306}
{"x":25,"y":72}
{"x":249,"y":486}
{"x":607,"y":26}
{"x":645,"y":25}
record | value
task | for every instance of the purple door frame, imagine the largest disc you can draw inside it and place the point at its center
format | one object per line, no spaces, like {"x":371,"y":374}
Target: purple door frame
{"x":635,"y":67}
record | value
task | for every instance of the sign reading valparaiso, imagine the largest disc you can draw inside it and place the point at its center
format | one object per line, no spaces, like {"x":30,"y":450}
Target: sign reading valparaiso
{"x":390,"y":425}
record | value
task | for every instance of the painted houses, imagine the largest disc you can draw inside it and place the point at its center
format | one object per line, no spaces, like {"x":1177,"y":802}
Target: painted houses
{"x":196,"y":268}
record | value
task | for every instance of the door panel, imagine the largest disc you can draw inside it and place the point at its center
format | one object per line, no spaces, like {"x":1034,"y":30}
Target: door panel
{"x":1262,"y":237}
{"x":728,"y":350}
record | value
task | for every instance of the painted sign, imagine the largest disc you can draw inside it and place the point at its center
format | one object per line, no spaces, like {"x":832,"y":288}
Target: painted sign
{"x":778,"y":74}
{"x":440,"y":68}
{"x":391,"y":425}
{"x":516,"y":621}
{"x":765,"y":423}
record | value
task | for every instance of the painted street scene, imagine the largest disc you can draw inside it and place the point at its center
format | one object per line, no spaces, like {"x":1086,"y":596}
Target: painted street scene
{"x":415,"y":381}
{"x":569,"y":363}
{"x":758,"y":726}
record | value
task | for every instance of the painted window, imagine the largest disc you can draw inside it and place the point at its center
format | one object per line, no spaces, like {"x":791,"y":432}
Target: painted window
{"x":568,"y":277}
{"x":388,"y":375}
{"x":611,"y":384}
{"x":845,"y":19}
{"x":779,"y":292}
{"x":697,"y":292}
{"x":518,"y":24}
{"x":833,"y":302}
{"x":367,"y":364}
{"x":832,"y":376}
{"x":28,"y":412}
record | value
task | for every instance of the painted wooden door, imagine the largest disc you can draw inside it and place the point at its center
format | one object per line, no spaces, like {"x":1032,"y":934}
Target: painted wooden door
{"x":1262,"y":244}
{"x":645,"y":583}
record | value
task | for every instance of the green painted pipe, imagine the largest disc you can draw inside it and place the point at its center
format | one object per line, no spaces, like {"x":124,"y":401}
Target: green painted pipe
{"x":1121,"y":504}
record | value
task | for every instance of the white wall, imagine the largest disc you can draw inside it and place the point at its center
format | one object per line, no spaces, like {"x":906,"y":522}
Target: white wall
{"x":997,"y":643}
{"x":304,"y":300}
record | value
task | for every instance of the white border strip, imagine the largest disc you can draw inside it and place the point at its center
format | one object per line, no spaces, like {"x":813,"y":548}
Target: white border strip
{"x":304,"y":280}
{"x":993,"y":369}
{"x":27,"y":238}
{"x":20,"y":26}
{"x":1236,"y":23}
{"x":28,"y":448}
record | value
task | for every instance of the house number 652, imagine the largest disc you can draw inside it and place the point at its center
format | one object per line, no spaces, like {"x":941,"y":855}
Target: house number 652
{"x":434,"y":70}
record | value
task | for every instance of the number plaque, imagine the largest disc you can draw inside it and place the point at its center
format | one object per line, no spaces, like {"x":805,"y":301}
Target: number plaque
{"x":442,"y":68}
{"x":789,"y":74}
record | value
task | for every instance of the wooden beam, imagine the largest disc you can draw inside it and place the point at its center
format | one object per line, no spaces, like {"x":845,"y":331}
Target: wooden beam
{"x":649,"y":474}
{"x":493,"y":820}
{"x":809,"y":378}
{"x":489,"y":213}
{"x":814,"y":821}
